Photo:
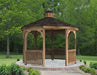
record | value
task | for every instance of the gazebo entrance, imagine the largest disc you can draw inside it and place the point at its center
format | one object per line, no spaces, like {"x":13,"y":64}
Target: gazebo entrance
{"x":51,"y":27}
{"x":55,"y":51}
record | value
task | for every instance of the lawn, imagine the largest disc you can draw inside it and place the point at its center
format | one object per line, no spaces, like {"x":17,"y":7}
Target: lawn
{"x":88,"y":59}
{"x":8,"y":61}
{"x":13,"y":58}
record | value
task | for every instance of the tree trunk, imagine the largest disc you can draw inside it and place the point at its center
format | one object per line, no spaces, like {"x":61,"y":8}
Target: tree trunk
{"x":7,"y":46}
{"x":7,"y":23}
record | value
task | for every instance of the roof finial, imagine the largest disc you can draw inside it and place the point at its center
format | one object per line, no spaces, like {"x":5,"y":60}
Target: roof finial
{"x":49,"y":13}
{"x":49,"y":9}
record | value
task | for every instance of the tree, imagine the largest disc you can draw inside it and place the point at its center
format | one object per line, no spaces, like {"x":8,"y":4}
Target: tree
{"x":15,"y":14}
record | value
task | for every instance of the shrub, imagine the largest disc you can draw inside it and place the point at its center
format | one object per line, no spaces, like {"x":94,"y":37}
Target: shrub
{"x":34,"y":72}
{"x":81,"y":66}
{"x":80,"y":60}
{"x":93,"y":71}
{"x":93,"y":65}
{"x":16,"y":70}
{"x":87,"y":70}
{"x":18,"y":59}
{"x":24,"y":68}
{"x":85,"y":62}
{"x":4,"y":70}
{"x":28,"y":69}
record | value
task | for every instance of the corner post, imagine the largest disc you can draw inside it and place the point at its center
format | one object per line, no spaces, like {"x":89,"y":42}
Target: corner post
{"x":66,"y":47}
{"x":75,"y":39}
{"x":24,"y":46}
{"x":75,"y":44}
{"x":43,"y":47}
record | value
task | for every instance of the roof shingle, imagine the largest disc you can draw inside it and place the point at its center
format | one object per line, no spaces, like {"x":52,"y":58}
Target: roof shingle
{"x":48,"y":21}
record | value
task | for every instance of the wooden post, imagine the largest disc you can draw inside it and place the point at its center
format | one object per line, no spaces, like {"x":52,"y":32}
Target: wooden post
{"x":52,"y":53}
{"x":75,"y":39}
{"x":24,"y":47}
{"x":75,"y":44}
{"x":35,"y":37}
{"x":43,"y":47}
{"x":66,"y":47}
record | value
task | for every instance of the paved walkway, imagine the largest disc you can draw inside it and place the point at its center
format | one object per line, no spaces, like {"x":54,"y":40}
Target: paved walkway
{"x":63,"y":72}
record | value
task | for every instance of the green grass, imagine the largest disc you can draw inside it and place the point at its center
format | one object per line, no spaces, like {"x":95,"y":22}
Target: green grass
{"x":13,"y":58}
{"x":88,"y":59}
{"x":8,"y":61}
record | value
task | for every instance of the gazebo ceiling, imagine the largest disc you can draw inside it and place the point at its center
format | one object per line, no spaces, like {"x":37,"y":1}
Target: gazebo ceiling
{"x":49,"y":21}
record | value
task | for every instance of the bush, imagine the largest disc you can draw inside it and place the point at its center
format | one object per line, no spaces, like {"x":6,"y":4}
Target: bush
{"x":28,"y":69}
{"x":4,"y":70}
{"x":81,"y":66}
{"x":85,"y":62}
{"x":34,"y":72}
{"x":24,"y":68}
{"x":18,"y":59}
{"x":16,"y":70}
{"x":93,"y":71}
{"x":80,"y":60}
{"x":93,"y":65}
{"x":87,"y":70}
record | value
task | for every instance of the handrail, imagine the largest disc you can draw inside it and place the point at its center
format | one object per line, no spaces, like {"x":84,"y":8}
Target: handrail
{"x":34,"y":51}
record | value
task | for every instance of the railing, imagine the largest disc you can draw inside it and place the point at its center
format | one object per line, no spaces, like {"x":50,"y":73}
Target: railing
{"x":34,"y":57}
{"x":55,"y":51}
{"x":72,"y":56}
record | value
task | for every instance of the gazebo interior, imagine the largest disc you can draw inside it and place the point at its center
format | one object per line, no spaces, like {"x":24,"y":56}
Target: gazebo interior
{"x":48,"y":27}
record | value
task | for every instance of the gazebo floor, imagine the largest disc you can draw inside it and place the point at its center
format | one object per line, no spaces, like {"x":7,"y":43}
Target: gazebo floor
{"x":56,"y":64}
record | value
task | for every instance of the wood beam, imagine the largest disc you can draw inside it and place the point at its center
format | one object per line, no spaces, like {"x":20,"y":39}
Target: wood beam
{"x":60,"y":27}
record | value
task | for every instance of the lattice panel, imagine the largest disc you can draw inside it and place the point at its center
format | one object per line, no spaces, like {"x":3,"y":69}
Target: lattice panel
{"x":34,"y":57}
{"x":72,"y":56}
{"x":57,"y":53}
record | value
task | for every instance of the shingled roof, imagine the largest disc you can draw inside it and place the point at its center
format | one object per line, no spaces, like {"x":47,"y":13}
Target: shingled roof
{"x":48,"y":20}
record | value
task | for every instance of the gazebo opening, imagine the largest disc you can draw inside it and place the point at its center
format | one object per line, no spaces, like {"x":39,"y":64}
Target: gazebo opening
{"x":55,"y":47}
{"x":59,"y":46}
{"x":30,"y":41}
{"x":71,"y":41}
{"x":49,"y":30}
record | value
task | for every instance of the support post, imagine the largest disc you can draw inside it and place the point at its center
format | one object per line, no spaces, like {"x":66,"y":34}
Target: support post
{"x":43,"y":47}
{"x":75,"y":44}
{"x":52,"y":52}
{"x":66,"y":46}
{"x":75,"y":39}
{"x":35,"y":37}
{"x":24,"y":47}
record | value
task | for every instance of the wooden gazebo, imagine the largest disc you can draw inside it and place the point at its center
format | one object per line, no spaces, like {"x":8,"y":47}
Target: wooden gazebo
{"x":51,"y":26}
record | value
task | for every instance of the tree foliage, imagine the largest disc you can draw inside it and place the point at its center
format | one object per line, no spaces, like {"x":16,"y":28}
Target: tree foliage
{"x":80,"y":13}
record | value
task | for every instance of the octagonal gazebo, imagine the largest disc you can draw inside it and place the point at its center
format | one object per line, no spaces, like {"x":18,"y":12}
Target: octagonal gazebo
{"x":51,"y":26}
